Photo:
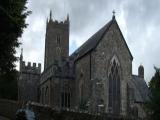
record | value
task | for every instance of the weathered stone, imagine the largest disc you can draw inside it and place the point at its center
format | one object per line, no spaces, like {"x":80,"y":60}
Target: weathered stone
{"x":97,"y":77}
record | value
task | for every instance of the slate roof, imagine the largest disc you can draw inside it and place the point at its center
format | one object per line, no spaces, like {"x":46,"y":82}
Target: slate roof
{"x":140,"y":87}
{"x":93,"y":41}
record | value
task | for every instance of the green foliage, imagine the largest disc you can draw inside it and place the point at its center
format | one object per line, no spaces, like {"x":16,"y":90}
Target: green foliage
{"x":12,"y":21}
{"x":21,"y":115}
{"x":8,"y":85}
{"x":154,"y":103}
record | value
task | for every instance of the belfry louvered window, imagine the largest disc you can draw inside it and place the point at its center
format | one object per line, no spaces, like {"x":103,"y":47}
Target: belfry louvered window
{"x":114,"y":87}
{"x":58,"y":39}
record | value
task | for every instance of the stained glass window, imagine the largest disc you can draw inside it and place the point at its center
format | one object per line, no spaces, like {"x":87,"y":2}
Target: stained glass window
{"x":114,"y":88}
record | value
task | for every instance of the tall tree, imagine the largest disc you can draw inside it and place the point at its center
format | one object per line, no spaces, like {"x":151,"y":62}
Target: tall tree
{"x":154,"y":103}
{"x":12,"y":21}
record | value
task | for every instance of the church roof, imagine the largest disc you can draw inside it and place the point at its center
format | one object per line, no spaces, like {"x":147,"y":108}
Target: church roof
{"x":140,"y":87}
{"x":93,"y":41}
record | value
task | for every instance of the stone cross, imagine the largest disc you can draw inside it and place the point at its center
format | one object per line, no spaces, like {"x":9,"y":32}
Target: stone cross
{"x":113,"y":14}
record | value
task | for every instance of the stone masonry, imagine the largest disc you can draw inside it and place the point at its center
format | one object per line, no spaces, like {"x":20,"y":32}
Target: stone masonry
{"x":97,"y":77}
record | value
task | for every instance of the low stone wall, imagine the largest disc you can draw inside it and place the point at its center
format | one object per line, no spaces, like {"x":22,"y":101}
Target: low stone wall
{"x":9,"y":108}
{"x":47,"y":113}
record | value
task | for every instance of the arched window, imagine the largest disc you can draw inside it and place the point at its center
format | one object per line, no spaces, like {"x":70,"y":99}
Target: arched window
{"x":58,"y":39}
{"x":81,"y":83}
{"x":114,"y":87}
{"x":82,"y":91}
{"x":47,"y":96}
{"x":58,"y":50}
{"x":42,"y":95}
{"x":66,"y":97}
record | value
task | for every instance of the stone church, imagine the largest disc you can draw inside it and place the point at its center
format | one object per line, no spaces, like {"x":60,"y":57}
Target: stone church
{"x":97,"y":77}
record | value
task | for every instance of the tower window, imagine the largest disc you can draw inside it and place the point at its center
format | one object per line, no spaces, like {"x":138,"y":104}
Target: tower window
{"x":58,"y":39}
{"x":58,"y":50}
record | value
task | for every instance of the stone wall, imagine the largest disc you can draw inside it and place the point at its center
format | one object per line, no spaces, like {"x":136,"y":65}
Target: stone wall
{"x":56,"y":41}
{"x":54,"y":81}
{"x":9,"y":108}
{"x":83,"y":82}
{"x":112,"y":44}
{"x":29,"y":78}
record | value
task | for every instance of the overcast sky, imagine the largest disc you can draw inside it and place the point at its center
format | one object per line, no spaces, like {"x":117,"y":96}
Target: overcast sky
{"x":138,"y":21}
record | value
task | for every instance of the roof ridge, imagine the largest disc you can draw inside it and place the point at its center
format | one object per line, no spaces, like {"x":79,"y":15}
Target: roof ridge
{"x":92,"y":42}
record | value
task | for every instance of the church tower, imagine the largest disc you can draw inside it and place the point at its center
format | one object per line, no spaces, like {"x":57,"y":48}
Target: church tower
{"x":56,"y":41}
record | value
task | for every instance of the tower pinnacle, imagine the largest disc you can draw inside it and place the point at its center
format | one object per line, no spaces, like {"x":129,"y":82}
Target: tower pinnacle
{"x":21,"y":56}
{"x":47,"y":20}
{"x":50,"y":18}
{"x":67,"y":17}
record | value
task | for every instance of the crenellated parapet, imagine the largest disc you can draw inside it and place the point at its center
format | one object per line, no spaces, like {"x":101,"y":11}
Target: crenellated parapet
{"x":29,"y":79}
{"x":55,"y":23}
{"x":30,"y":68}
{"x":56,"y":40}
{"x":58,"y":22}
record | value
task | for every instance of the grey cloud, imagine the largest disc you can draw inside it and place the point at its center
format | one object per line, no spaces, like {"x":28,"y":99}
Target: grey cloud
{"x":141,"y":18}
{"x":87,"y":16}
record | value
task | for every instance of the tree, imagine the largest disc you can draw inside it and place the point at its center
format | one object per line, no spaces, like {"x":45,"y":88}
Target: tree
{"x":21,"y":115}
{"x":12,"y":21}
{"x":154,"y":103}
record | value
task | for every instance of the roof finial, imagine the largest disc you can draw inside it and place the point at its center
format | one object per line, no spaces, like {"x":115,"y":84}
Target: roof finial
{"x":21,"y":56}
{"x":50,"y":14}
{"x":21,"y":50}
{"x":67,"y":17}
{"x":113,"y":17}
{"x":47,"y":20}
